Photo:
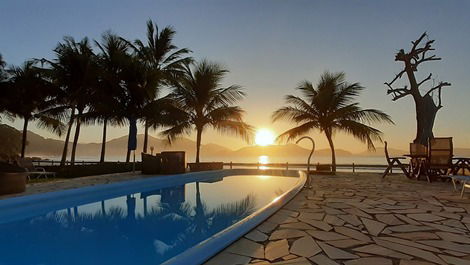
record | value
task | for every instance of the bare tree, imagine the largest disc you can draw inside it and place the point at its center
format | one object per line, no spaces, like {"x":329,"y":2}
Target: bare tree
{"x":427,"y":103}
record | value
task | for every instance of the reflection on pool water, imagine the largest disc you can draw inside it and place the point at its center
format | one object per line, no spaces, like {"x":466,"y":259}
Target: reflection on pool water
{"x":139,"y":228}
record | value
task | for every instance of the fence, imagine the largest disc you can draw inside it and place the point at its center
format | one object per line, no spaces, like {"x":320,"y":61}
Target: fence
{"x":353,"y":167}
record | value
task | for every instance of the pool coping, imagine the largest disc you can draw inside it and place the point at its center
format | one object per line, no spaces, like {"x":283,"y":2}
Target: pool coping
{"x":208,"y":248}
{"x":14,"y":208}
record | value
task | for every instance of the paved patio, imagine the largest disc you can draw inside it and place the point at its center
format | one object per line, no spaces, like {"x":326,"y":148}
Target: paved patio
{"x":359,"y":219}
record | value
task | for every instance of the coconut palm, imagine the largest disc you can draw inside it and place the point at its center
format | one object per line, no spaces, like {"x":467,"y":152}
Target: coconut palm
{"x":105,"y":109}
{"x":75,"y":70}
{"x":330,"y":107}
{"x":31,"y":97}
{"x":203,"y":103}
{"x":160,"y":54}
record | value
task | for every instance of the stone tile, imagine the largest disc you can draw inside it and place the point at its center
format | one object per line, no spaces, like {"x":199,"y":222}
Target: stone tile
{"x":372,"y":226}
{"x":305,"y":247}
{"x":336,"y":253}
{"x":445,"y":228}
{"x":465,"y":248}
{"x":427,"y":217}
{"x":415,"y":262}
{"x":352,"y":219}
{"x":382,"y":251}
{"x":257,"y":236}
{"x":281,"y":219}
{"x":333,"y":220}
{"x":410,"y":243}
{"x":357,"y":212}
{"x":298,"y":225}
{"x":352,"y":234}
{"x":247,"y":248}
{"x":286,"y":233}
{"x":319,"y":224}
{"x":290,"y":256}
{"x":311,"y":216}
{"x":276,"y":249}
{"x":346,"y":243}
{"x":332,"y":211}
{"x":454,"y":223}
{"x":297,"y":261}
{"x":267,"y":227}
{"x":389,"y":219}
{"x":326,"y":236}
{"x":370,"y":260}
{"x":321,"y":259}
{"x":454,"y":260}
{"x":409,"y":228}
{"x":454,"y":237}
{"x":416,"y":235}
{"x":429,"y":256}
{"x":407,"y":219}
{"x":228,"y":259}
{"x":455,"y":253}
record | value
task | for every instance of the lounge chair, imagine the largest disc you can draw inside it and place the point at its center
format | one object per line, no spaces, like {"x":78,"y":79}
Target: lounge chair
{"x":393,"y":161}
{"x":465,"y":180}
{"x":440,"y":153}
{"x":27,"y":163}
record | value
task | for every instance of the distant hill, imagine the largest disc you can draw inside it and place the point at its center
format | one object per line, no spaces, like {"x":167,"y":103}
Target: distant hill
{"x":41,"y":146}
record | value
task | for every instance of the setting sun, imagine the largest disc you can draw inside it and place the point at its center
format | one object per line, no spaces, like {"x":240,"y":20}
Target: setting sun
{"x":264,"y":137}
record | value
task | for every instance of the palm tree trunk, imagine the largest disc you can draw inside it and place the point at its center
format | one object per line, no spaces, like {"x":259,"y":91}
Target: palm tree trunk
{"x":333,"y":156}
{"x":128,"y":156}
{"x":103,"y":143}
{"x":75,"y":139}
{"x":198,"y":143}
{"x":146,"y":136}
{"x":67,"y":137}
{"x":25,"y":133}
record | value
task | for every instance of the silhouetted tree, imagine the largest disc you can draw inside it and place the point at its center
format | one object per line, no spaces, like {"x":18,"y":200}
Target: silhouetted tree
{"x":330,"y":107}
{"x":105,"y":108}
{"x":30,"y":96}
{"x":74,"y":69}
{"x":426,"y":106}
{"x":162,"y":56}
{"x":202,"y":103}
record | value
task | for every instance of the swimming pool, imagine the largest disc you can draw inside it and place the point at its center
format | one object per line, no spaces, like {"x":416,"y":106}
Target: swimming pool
{"x":179,"y":219}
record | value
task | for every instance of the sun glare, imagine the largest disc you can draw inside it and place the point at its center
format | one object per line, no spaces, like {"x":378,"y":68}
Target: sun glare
{"x":264,"y":137}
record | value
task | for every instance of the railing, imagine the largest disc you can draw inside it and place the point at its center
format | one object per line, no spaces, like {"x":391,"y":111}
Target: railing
{"x":340,"y":167}
{"x":352,"y":167}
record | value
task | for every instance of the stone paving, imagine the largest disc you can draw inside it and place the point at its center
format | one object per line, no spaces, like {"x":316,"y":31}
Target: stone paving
{"x":360,"y":219}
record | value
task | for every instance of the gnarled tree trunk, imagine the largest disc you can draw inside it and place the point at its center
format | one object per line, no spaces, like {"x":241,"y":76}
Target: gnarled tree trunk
{"x":25,"y":134}
{"x":67,"y":137}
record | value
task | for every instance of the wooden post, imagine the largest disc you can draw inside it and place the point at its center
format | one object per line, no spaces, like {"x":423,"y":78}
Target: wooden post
{"x":230,"y":164}
{"x":354,"y":170}
{"x":287,"y":165}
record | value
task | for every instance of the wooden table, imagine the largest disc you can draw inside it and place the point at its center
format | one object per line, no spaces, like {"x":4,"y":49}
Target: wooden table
{"x":417,"y":165}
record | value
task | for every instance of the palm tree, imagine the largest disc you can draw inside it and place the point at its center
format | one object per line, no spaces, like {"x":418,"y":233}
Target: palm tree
{"x":330,"y":107}
{"x":105,"y":109}
{"x":75,"y":70}
{"x":31,"y":97}
{"x":202,"y":103}
{"x":160,"y":54}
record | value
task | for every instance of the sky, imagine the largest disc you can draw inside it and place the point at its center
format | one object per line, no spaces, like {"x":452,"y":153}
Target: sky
{"x":271,"y":46}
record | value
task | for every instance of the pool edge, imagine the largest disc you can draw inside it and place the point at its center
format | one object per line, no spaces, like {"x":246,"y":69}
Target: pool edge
{"x":210,"y":247}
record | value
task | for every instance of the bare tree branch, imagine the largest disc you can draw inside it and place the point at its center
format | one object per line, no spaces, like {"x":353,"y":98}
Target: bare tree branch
{"x":439,"y":86}
{"x":396,"y":77}
{"x":398,"y":92}
{"x":425,"y":79}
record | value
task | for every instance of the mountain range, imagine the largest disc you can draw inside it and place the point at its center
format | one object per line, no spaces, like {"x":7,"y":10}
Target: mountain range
{"x":47,"y":147}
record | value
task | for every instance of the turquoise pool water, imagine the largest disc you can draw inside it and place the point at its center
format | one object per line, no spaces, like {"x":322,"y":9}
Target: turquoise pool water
{"x":147,"y":227}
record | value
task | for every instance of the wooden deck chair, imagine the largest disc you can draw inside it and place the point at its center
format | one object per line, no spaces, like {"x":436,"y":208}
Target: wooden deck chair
{"x":27,"y":163}
{"x":440,"y":153}
{"x":393,"y":161}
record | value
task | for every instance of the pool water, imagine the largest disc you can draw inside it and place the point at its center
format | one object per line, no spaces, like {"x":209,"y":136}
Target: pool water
{"x":138,"y":228}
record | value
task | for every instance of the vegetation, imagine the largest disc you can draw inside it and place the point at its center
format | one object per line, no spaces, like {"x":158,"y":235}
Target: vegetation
{"x":426,"y":106}
{"x":202,"y":102}
{"x":330,"y":107}
{"x":116,"y":82}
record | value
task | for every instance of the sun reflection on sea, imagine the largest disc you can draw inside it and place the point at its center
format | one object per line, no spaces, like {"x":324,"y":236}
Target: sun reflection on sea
{"x":263,"y":160}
